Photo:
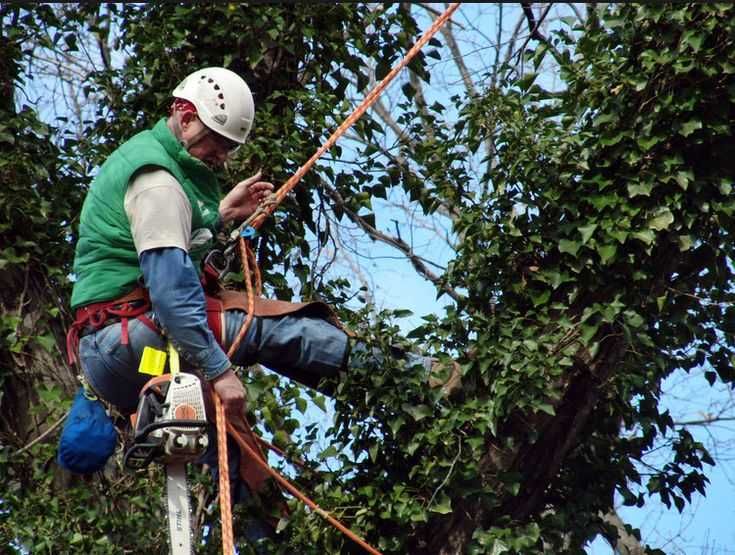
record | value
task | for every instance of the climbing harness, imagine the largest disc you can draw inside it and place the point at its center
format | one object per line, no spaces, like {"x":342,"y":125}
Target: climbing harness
{"x":95,"y":316}
{"x":253,"y":284}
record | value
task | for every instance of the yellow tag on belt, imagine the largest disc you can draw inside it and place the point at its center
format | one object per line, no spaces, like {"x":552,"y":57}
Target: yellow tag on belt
{"x":153,"y":362}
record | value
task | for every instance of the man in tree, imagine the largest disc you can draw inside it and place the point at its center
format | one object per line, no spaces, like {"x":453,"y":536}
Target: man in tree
{"x":149,"y":217}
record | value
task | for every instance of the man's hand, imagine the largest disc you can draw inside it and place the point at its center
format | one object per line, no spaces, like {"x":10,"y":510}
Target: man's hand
{"x":231,"y":392}
{"x":244,"y":198}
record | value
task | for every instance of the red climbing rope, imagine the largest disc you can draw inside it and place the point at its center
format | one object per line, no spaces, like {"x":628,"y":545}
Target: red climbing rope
{"x":253,"y":286}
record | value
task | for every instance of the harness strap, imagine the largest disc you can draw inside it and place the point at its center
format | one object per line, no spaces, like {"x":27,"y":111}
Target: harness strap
{"x":132,"y":305}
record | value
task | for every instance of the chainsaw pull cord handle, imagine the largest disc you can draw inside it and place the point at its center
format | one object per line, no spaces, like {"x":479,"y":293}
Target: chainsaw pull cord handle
{"x":246,"y":231}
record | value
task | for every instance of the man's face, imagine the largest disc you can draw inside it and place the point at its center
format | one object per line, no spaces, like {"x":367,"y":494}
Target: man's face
{"x":203,"y":143}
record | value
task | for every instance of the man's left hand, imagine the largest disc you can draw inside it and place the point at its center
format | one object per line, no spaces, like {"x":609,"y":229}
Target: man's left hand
{"x":244,"y":198}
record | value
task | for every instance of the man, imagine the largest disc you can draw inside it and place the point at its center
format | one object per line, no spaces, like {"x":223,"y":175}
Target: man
{"x":149,"y":217}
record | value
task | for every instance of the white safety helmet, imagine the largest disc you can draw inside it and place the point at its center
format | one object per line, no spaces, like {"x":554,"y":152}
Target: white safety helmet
{"x":223,"y":101}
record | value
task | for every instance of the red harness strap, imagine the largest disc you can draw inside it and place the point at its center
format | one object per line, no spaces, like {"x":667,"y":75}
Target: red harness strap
{"x":216,"y":318}
{"x":95,"y":316}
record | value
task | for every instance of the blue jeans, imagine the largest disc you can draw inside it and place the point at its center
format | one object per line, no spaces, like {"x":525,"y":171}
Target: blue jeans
{"x":306,"y":349}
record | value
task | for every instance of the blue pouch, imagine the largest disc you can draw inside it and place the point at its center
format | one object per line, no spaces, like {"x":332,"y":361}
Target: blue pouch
{"x":88,"y":438}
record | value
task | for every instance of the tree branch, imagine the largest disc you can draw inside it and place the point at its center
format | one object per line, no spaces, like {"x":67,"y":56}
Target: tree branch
{"x":624,"y":542}
{"x":417,"y":262}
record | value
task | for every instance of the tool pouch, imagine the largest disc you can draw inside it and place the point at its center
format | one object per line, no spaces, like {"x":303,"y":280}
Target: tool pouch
{"x":89,"y":436}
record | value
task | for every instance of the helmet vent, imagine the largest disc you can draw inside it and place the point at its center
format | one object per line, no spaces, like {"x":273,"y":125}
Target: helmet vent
{"x":222,"y":106}
{"x":216,"y":87}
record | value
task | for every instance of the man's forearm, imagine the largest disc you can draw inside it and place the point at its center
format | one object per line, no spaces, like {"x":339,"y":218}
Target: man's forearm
{"x":178,"y":300}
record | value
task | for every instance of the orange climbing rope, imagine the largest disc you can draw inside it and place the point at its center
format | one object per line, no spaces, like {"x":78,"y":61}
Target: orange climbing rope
{"x":253,"y":286}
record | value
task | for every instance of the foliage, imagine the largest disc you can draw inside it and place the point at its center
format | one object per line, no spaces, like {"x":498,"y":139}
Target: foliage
{"x":594,"y":257}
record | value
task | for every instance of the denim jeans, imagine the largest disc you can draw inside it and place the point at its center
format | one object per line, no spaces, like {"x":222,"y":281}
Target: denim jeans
{"x":306,"y":349}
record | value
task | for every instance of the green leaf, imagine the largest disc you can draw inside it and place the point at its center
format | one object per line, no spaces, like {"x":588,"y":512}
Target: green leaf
{"x":693,"y":38}
{"x":647,"y":236}
{"x":685,"y":242}
{"x":607,"y":252}
{"x":330,"y":451}
{"x":619,"y":235}
{"x":570,"y":247}
{"x":647,"y":143}
{"x":644,"y":189}
{"x":47,"y":342}
{"x":373,"y":451}
{"x":319,"y":402}
{"x":690,"y":127}
{"x":683,"y":178}
{"x":418,"y":412}
{"x":587,"y":231}
{"x":547,"y":408}
{"x":526,"y":81}
{"x":443,"y":505}
{"x":662,"y":220}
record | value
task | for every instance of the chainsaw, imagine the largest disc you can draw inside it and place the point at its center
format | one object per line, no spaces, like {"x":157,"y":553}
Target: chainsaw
{"x":170,"y":427}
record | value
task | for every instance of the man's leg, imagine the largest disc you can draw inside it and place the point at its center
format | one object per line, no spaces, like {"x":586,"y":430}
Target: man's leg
{"x":111,"y":368}
{"x":311,"y":350}
{"x":304,"y":348}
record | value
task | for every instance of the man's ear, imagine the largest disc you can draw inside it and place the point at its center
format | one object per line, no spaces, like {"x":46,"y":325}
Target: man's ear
{"x":187,"y":117}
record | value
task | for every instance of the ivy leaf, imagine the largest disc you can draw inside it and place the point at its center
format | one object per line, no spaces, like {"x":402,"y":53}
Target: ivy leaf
{"x":607,"y":252}
{"x":647,"y":236}
{"x":683,"y":178}
{"x":569,"y":247}
{"x":547,"y":408}
{"x":692,"y":38}
{"x":418,"y":412}
{"x":662,"y":220}
{"x":685,"y":242}
{"x":443,"y":506}
{"x":586,"y":231}
{"x":690,"y":127}
{"x":644,"y":189}
{"x":47,"y":342}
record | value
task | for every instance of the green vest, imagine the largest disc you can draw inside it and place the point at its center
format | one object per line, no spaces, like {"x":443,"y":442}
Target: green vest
{"x":106,"y":263}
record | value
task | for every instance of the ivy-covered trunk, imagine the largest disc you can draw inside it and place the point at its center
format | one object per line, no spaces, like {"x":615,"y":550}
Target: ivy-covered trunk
{"x":609,"y":233}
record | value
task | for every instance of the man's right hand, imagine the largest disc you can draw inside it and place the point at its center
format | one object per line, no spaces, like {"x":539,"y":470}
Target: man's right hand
{"x":231,"y":392}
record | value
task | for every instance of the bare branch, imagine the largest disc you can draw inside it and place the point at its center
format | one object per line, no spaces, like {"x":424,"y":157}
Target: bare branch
{"x":533,"y":26}
{"x":386,"y":116}
{"x":448,"y":35}
{"x":437,"y":13}
{"x":417,"y":262}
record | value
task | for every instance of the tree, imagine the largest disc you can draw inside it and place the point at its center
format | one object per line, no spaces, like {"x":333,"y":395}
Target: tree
{"x":591,"y":227}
